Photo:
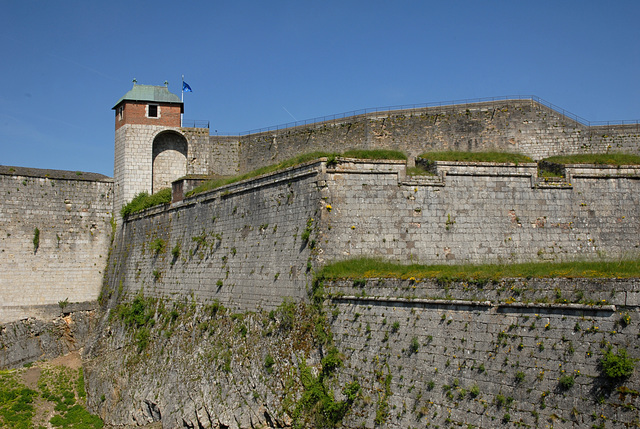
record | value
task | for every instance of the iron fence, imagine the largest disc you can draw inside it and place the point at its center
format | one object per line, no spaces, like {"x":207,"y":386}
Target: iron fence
{"x":193,"y":123}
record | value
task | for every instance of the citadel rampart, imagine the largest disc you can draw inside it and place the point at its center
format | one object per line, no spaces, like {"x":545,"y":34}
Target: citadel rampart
{"x":523,"y":126}
{"x":54,"y":239}
{"x":486,"y":354}
{"x":252,"y":243}
{"x":466,"y":353}
{"x":241,"y":244}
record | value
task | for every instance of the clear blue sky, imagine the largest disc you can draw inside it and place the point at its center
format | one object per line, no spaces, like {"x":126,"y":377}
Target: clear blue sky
{"x":253,"y":64}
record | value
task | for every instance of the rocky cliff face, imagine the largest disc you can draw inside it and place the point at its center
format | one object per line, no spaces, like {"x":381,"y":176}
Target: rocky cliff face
{"x":32,"y":339}
{"x":200,"y":366}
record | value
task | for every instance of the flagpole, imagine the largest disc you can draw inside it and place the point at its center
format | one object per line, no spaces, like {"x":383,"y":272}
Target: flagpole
{"x":182,"y":99}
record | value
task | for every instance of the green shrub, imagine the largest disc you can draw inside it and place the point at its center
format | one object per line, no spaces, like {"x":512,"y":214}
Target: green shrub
{"x":175,"y":252}
{"x":617,"y":366}
{"x":287,"y":314}
{"x":143,"y":201}
{"x":63,"y":304}
{"x":137,"y":313}
{"x":269,"y":362}
{"x":318,"y":401}
{"x":36,"y":240}
{"x":307,"y":231}
{"x":331,"y":361}
{"x":474,"y":391}
{"x":414,"y":346}
{"x":158,"y":246}
{"x":566,"y":382}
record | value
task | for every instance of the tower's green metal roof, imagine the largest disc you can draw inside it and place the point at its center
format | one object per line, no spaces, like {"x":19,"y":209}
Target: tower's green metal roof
{"x":154,"y":94}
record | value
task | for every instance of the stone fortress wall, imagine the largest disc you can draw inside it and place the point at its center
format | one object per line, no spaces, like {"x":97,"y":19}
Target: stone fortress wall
{"x":507,"y":212}
{"x":54,"y":239}
{"x":516,"y":352}
{"x":523,"y":126}
{"x":252,"y":243}
{"x":241,"y":244}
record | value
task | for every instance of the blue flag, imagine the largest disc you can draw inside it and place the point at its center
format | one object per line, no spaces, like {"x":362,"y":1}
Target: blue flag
{"x":186,"y":87}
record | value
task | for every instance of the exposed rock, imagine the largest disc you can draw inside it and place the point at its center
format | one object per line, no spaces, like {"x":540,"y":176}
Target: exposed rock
{"x":33,"y":339}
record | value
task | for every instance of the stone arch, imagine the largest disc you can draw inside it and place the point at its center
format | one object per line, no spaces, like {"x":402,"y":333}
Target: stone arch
{"x":169,"y":159}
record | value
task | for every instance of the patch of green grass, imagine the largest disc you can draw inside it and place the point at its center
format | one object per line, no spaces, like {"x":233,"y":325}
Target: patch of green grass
{"x":419,"y":171}
{"x":16,"y":402}
{"x":300,"y":159}
{"x":143,"y":201}
{"x":377,"y":268}
{"x":375,"y":154}
{"x":502,"y":157}
{"x":64,"y":387}
{"x":614,"y":159}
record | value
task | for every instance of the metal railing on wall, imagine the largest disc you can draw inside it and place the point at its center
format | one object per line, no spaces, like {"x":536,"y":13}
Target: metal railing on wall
{"x":452,"y":104}
{"x":192,"y":123}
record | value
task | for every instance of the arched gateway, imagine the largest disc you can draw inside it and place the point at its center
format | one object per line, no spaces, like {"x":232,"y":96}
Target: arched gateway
{"x":169,"y":159}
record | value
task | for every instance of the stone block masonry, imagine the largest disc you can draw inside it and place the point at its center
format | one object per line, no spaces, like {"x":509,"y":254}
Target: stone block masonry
{"x":479,"y":213}
{"x":54,"y":238}
{"x":243,"y":244}
{"x":522,"y":126}
{"x":517,"y":351}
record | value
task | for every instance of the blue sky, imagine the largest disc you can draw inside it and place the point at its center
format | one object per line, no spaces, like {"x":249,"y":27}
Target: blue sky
{"x":254,"y":64}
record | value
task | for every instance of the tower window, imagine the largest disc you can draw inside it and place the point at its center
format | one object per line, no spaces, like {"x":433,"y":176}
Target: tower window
{"x":120,"y":112}
{"x":153,"y":111}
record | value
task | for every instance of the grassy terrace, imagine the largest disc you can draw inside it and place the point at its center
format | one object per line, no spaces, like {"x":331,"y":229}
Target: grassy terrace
{"x":376,"y":268}
{"x":614,"y":159}
{"x":502,"y":157}
{"x":300,"y":159}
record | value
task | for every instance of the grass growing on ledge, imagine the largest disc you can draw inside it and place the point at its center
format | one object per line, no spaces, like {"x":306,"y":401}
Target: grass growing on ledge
{"x":419,"y":171}
{"x":143,"y":201}
{"x":614,"y":159}
{"x":502,"y":157}
{"x":300,"y":159}
{"x":375,"y":154}
{"x":376,"y":268}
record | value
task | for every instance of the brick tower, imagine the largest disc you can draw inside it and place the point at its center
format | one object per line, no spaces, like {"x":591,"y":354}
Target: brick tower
{"x":150,"y":147}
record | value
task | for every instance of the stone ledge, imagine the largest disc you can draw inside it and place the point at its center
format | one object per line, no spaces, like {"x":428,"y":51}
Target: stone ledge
{"x":487,"y":304}
{"x":7,"y":170}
